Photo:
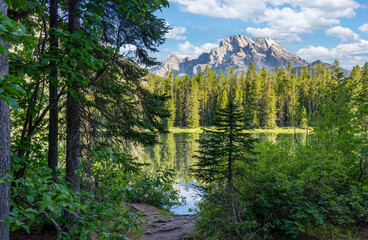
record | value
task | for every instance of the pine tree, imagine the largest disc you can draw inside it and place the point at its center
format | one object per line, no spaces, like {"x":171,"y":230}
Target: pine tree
{"x":211,"y":80}
{"x":193,"y":116}
{"x":73,"y":119}
{"x":303,"y":118}
{"x":365,"y":74}
{"x":269,"y":107}
{"x":293,"y":103}
{"x":171,"y":106}
{"x":269,"y":104}
{"x":304,"y":83}
{"x":4,"y":138}
{"x":223,"y":99}
{"x":180,"y":103}
{"x":250,"y":90}
{"x":202,"y":96}
{"x":222,"y":150}
{"x":282,"y":88}
{"x":53,"y":101}
{"x":223,"y":154}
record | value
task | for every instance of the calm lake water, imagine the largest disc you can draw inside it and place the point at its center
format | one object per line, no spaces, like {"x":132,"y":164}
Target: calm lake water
{"x":177,"y":151}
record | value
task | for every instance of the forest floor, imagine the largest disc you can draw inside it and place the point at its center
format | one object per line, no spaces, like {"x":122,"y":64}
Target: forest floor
{"x":157,"y":224}
{"x":160,"y":224}
{"x":363,"y":233}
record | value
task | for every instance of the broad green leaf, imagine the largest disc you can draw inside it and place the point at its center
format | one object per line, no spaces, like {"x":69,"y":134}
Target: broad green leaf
{"x":26,"y":227}
{"x":8,"y":221}
{"x":13,"y":103}
{"x":18,"y":223}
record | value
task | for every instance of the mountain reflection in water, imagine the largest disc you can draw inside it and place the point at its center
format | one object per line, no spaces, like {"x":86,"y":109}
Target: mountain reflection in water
{"x":192,"y":195}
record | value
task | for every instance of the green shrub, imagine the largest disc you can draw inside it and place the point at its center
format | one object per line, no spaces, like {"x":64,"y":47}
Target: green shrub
{"x":109,"y":179}
{"x":288,"y":192}
{"x":153,"y":188}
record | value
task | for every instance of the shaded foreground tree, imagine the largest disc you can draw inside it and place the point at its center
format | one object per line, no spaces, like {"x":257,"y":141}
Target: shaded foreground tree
{"x":4,"y":135}
{"x":85,"y":56}
{"x":73,"y":113}
{"x":102,"y":93}
{"x":53,"y":95}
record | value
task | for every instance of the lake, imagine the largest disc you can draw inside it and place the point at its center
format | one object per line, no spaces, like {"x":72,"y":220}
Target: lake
{"x":177,"y":151}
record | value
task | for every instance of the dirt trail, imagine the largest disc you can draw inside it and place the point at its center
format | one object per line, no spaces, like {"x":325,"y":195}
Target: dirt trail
{"x":161,"y":225}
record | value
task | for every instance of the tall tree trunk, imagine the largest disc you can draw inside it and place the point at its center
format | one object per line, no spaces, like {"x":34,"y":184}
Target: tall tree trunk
{"x":73,"y":117}
{"x":53,"y":123}
{"x":4,"y":140}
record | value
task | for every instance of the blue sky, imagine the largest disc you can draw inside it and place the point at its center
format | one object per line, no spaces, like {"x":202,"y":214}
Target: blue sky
{"x":313,"y":29}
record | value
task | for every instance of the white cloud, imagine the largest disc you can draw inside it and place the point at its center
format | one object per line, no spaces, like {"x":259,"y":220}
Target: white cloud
{"x":234,"y":9}
{"x":176,"y":33}
{"x":187,"y":49}
{"x":127,"y":48}
{"x":312,"y":53}
{"x":272,"y":33}
{"x":364,"y":28}
{"x":291,"y":17}
{"x":345,"y":34}
{"x":348,"y":53}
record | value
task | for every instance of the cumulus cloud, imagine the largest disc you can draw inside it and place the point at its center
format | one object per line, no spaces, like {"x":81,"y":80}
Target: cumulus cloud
{"x":272,"y":33}
{"x":126,"y":48}
{"x":176,"y":33}
{"x":350,"y":53}
{"x":291,"y":17}
{"x":187,"y":49}
{"x":364,"y":28}
{"x":313,"y":53}
{"x":345,"y":34}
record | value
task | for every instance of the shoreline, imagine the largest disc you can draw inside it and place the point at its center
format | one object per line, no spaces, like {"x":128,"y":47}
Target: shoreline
{"x":278,"y":130}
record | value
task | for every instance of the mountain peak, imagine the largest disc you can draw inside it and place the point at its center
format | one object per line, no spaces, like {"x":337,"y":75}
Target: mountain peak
{"x":239,"y":40}
{"x":267,"y":41}
{"x":236,"y":52}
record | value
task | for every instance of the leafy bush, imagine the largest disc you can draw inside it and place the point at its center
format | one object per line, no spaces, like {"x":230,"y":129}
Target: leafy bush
{"x":109,"y":179}
{"x":154,"y":188}
{"x":106,"y":219}
{"x":303,"y":189}
{"x":289,"y":191}
{"x":36,"y":199}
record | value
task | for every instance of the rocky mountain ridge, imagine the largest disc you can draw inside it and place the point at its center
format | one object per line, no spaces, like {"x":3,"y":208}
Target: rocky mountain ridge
{"x":234,"y":52}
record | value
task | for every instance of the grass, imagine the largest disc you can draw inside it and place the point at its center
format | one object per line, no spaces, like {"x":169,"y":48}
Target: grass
{"x":329,"y":231}
{"x":185,"y":130}
{"x":285,"y":130}
{"x":277,"y":130}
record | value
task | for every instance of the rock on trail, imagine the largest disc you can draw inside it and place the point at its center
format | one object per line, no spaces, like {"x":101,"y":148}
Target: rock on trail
{"x":161,"y":225}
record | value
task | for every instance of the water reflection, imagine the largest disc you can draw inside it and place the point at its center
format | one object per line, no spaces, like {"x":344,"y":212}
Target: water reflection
{"x":192,"y":195}
{"x":177,"y":151}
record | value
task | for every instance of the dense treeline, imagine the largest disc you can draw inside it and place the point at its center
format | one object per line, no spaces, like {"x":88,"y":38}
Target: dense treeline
{"x":283,"y":97}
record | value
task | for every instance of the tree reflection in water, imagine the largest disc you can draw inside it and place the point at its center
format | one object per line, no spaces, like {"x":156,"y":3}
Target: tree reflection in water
{"x":177,"y":151}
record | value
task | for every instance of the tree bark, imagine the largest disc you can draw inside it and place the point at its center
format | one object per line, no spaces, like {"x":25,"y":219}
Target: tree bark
{"x":4,"y":140}
{"x":73,"y":117}
{"x":53,"y":122}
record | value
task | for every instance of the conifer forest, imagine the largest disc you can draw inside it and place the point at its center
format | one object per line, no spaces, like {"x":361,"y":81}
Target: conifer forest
{"x":76,"y":111}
